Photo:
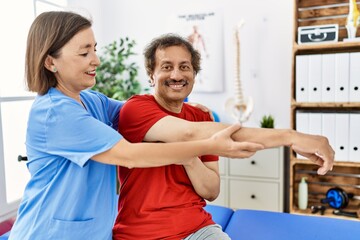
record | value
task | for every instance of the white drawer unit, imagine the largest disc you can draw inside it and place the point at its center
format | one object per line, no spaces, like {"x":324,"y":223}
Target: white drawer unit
{"x":252,"y":194}
{"x":253,"y":183}
{"x":264,"y":164}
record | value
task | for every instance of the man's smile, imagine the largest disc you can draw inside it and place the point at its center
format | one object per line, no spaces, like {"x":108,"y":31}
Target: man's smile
{"x":176,"y":84}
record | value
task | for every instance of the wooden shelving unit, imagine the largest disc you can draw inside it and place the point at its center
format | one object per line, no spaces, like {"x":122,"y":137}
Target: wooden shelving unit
{"x":326,"y":47}
{"x":346,"y":174}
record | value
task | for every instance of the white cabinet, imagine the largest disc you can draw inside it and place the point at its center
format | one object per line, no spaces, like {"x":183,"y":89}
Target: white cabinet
{"x":253,"y":183}
{"x":254,"y":194}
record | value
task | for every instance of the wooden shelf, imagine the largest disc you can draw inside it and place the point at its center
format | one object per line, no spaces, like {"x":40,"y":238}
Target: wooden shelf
{"x":336,"y":163}
{"x":326,"y":47}
{"x":326,"y":105}
{"x":344,"y":175}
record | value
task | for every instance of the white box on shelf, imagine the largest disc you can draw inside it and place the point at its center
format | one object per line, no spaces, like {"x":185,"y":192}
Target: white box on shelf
{"x":354,"y":83}
{"x":315,"y":77}
{"x":328,"y":127}
{"x":302,"y":78}
{"x":342,"y":136}
{"x":302,"y":125}
{"x":328,"y":78}
{"x":342,"y":63}
{"x":354,"y":142}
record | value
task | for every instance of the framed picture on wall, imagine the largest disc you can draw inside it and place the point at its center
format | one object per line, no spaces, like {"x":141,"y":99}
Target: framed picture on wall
{"x":204,"y":29}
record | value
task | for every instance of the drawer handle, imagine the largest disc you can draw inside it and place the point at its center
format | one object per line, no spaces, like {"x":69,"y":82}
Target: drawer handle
{"x":22,"y":158}
{"x":253,"y":196}
{"x":253,"y":162}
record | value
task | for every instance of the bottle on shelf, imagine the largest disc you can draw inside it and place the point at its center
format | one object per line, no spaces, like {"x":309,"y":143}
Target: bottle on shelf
{"x":303,"y":194}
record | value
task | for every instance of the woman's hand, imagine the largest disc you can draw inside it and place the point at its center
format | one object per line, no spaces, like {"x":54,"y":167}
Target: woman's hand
{"x":203,"y":108}
{"x":227,"y":147}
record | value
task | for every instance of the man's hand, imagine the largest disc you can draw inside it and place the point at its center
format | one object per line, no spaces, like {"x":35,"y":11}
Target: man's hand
{"x":315,"y":148}
{"x":227,"y":147}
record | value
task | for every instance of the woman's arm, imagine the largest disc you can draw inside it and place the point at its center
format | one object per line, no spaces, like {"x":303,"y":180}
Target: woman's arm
{"x":160,"y":154}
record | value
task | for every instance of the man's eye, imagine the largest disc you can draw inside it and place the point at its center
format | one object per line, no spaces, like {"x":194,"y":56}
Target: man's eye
{"x":84,"y":54}
{"x":167,"y":67}
{"x":185,"y":67}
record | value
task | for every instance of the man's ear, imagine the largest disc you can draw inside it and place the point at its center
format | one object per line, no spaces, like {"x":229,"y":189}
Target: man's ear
{"x":195,"y":74}
{"x":151,"y":80}
{"x":49,"y":64}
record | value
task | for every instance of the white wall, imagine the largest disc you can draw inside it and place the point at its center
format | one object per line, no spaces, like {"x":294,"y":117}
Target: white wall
{"x":266,"y":45}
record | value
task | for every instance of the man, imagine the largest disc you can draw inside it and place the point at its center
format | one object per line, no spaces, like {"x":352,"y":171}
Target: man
{"x":167,"y":202}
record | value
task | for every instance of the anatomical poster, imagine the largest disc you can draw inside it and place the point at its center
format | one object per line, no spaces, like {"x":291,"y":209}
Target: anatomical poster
{"x":204,"y":30}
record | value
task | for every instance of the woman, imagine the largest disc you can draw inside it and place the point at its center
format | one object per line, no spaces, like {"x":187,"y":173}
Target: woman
{"x":72,"y":144}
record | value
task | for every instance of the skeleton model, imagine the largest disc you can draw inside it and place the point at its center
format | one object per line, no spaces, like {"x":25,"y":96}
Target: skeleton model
{"x":353,"y":20}
{"x":239,"y":107}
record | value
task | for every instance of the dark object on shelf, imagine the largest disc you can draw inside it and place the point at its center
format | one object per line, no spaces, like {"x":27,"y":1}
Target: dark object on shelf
{"x":22,"y":158}
{"x":318,"y":34}
{"x":337,"y":198}
{"x":315,"y":209}
{"x":340,"y":212}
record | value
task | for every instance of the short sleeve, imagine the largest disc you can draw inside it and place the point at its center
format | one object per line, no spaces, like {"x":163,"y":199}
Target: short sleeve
{"x":137,"y":116}
{"x":112,"y":107}
{"x":71,"y":132}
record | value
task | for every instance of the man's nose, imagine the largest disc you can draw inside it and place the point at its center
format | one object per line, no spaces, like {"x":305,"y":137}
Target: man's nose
{"x":176,"y":74}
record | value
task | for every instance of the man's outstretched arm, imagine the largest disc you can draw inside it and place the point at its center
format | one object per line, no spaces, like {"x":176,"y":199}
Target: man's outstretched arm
{"x":314,"y":147}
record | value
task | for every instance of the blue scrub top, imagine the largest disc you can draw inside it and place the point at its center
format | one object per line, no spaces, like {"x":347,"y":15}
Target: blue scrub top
{"x":69,"y":196}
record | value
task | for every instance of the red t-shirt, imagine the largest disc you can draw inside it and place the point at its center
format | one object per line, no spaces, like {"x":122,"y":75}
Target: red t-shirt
{"x":160,"y":202}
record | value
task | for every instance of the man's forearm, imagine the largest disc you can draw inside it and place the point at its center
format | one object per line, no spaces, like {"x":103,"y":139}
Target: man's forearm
{"x":316,"y":148}
{"x":172,"y":129}
{"x":205,"y":178}
{"x":267,"y":137}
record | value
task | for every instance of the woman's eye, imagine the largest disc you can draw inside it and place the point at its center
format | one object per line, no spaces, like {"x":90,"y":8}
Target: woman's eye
{"x":84,"y":54}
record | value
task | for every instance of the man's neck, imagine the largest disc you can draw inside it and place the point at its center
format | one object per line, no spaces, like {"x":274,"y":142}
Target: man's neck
{"x":172,"y":106}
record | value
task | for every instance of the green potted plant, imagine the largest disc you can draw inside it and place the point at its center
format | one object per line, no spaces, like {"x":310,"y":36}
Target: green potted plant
{"x":267,"y":121}
{"x":116,"y":77}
